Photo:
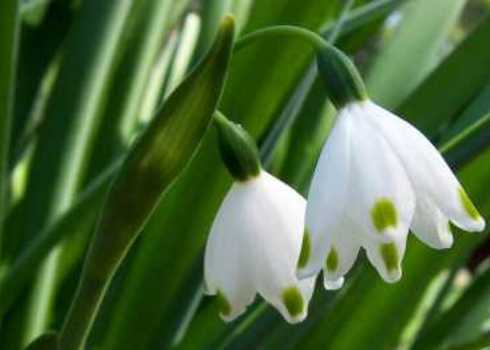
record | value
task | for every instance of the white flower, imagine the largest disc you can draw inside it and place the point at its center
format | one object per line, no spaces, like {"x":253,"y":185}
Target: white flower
{"x":254,"y":246}
{"x":378,"y":177}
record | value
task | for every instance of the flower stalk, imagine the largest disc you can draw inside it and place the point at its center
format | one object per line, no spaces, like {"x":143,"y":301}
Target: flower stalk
{"x":342,"y":79}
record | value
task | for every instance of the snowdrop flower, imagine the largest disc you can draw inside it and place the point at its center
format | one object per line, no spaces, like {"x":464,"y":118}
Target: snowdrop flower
{"x":377,"y":178}
{"x":255,"y":240}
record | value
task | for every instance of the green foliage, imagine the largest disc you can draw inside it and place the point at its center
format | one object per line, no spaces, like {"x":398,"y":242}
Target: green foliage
{"x":98,"y":119}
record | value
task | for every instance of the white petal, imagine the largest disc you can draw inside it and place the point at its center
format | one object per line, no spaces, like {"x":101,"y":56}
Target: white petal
{"x":255,"y":245}
{"x":333,"y":284}
{"x":278,"y":238}
{"x":381,"y":198}
{"x":327,"y":195}
{"x":430,"y":225}
{"x":428,"y":172}
{"x":225,"y":265}
{"x":387,"y":257}
{"x":341,"y":254}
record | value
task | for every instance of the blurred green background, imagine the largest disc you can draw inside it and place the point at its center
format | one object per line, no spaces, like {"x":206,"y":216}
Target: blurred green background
{"x":80,"y":79}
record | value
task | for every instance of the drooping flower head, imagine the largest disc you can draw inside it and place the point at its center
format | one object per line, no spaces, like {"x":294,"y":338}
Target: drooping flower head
{"x":255,"y":240}
{"x":377,"y":178}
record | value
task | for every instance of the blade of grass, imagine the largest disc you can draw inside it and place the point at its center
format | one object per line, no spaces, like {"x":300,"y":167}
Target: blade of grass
{"x":413,"y":50}
{"x":475,"y":137}
{"x":210,"y":12}
{"x":431,"y":106}
{"x":181,"y":61}
{"x":9,"y":38}
{"x":145,"y":34}
{"x":40,"y":47}
{"x":148,"y":36}
{"x":479,"y":106}
{"x":463,"y":322}
{"x":25,"y":267}
{"x":73,"y":111}
{"x":151,"y":167}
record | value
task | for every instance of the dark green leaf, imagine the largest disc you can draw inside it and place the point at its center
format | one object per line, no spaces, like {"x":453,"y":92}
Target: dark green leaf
{"x":55,"y":176}
{"x":152,"y":165}
{"x":9,"y":34}
{"x":452,"y":85}
{"x":413,"y":50}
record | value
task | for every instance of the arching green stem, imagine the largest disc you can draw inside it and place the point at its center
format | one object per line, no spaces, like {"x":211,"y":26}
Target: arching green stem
{"x":343,"y":81}
{"x":314,"y":39}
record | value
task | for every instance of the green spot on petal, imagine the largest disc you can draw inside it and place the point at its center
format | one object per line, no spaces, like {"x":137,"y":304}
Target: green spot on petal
{"x":304,"y":256}
{"x":293,"y":300}
{"x":332,"y":262}
{"x":384,"y":214}
{"x":223,"y":304}
{"x":468,"y":205}
{"x":390,"y":256}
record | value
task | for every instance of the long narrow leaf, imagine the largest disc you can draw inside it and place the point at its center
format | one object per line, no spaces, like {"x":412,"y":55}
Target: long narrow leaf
{"x":437,"y":100}
{"x":151,"y":167}
{"x":9,"y":35}
{"x":73,"y":112}
{"x":413,"y":50}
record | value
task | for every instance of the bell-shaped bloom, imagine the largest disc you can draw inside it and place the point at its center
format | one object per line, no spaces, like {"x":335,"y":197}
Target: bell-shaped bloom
{"x":254,"y":247}
{"x":377,"y":178}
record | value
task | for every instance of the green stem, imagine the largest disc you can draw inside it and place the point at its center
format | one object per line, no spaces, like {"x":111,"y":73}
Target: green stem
{"x":314,"y":39}
{"x":342,"y":79}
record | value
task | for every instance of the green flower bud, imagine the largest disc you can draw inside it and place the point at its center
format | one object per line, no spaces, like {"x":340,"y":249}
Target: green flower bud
{"x":238,"y":149}
{"x":343,"y":81}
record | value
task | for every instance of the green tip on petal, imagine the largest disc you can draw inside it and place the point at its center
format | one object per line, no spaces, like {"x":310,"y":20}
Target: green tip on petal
{"x":305,"y":250}
{"x":390,"y":256}
{"x":332,"y":262}
{"x":223,"y":304}
{"x":293,"y":300}
{"x":468,"y":205}
{"x":384,"y":215}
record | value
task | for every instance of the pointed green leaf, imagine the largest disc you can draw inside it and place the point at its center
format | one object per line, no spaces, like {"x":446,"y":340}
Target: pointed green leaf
{"x":413,"y":50}
{"x":459,"y":78}
{"x":73,"y":109}
{"x":151,"y":166}
{"x":148,"y":29}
